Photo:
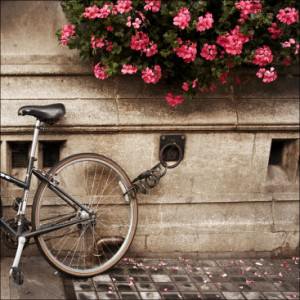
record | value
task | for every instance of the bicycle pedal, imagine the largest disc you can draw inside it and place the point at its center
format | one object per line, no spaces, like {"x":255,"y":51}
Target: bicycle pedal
{"x":16,"y":203}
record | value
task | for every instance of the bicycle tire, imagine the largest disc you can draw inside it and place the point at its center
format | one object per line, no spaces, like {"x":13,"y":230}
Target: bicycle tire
{"x":42,"y":240}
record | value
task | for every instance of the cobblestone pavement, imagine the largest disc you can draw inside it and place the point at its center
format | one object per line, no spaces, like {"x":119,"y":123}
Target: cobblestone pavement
{"x":192,"y":279}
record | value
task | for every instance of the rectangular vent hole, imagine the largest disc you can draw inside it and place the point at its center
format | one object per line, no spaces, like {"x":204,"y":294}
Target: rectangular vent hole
{"x":51,"y":153}
{"x":19,"y":154}
{"x":284,"y":159}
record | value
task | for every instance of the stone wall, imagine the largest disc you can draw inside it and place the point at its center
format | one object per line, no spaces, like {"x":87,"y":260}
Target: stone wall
{"x":226,"y":196}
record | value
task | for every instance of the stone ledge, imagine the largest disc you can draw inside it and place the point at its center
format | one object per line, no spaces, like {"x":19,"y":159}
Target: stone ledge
{"x":21,"y":130}
{"x":111,"y":114}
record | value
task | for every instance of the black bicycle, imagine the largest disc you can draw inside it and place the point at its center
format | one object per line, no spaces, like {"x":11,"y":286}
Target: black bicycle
{"x":84,"y":212}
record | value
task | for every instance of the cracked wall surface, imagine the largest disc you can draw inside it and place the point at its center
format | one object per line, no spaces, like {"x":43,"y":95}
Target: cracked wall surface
{"x":219,"y":200}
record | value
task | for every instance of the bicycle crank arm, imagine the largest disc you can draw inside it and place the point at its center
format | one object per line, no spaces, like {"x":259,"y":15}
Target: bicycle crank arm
{"x":6,"y":227}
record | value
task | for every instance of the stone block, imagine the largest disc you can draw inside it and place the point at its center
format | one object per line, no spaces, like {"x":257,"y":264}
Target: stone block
{"x":284,"y":220}
{"x":216,"y":242}
{"x":136,"y":111}
{"x":287,"y":87}
{"x":266,"y":111}
{"x":198,"y":218}
{"x":56,"y":88}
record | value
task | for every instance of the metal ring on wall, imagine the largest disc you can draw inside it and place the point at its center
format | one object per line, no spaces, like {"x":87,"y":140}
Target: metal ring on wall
{"x":164,"y":163}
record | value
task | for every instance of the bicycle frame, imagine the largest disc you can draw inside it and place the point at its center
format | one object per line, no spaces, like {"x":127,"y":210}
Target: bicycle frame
{"x":25,"y":185}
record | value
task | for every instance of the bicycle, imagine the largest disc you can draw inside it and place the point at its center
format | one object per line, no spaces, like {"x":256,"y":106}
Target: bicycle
{"x":84,"y":212}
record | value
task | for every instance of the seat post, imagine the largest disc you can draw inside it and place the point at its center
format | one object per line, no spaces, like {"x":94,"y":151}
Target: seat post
{"x":34,"y":140}
{"x":32,"y":152}
{"x":31,"y":160}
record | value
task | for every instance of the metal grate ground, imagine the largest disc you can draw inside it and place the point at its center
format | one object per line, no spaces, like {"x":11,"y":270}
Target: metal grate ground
{"x":192,"y":279}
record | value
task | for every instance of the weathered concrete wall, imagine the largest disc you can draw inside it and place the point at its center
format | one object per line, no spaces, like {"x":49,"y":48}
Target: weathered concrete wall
{"x":220,"y":199}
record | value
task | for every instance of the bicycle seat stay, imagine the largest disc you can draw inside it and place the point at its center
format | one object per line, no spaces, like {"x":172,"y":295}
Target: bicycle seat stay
{"x":45,"y":113}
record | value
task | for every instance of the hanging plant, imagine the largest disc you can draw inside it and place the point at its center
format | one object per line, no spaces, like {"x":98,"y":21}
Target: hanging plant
{"x":191,"y":45}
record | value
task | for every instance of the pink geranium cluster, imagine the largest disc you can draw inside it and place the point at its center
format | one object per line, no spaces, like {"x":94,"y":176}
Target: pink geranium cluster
{"x":129,"y":69}
{"x":67,"y":32}
{"x":141,"y":42}
{"x":152,"y":75}
{"x":263,"y":56}
{"x":174,"y":100}
{"x":100,"y":43}
{"x":205,"y":23}
{"x":187,"y":50}
{"x":136,"y":23}
{"x":233,"y":42}
{"x":248,"y":7}
{"x":152,"y":5}
{"x":289,"y":43}
{"x":275,"y":31}
{"x":94,"y":12}
{"x":97,"y":42}
{"x":100,"y":71}
{"x":267,"y":76}
{"x":183,"y":18}
{"x":288,"y":15}
{"x":209,"y":52}
{"x":186,"y":85}
{"x":124,"y":6}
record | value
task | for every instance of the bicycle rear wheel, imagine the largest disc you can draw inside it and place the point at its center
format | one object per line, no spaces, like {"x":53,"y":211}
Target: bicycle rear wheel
{"x":88,"y":248}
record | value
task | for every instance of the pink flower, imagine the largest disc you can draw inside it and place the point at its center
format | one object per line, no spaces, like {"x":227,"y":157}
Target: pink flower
{"x":100,"y":71}
{"x":124,"y":6}
{"x":182,"y":18}
{"x":104,"y":12}
{"x":185,"y":86}
{"x":288,"y":44}
{"x":152,"y":75}
{"x":151,"y":49}
{"x":97,"y":42}
{"x":109,"y":46}
{"x":67,"y":32}
{"x":91,"y":12}
{"x":267,"y":76}
{"x":110,"y":28}
{"x":263,"y":56}
{"x":275,"y":31}
{"x":129,"y":69}
{"x":209,"y":52}
{"x":154,"y":6}
{"x":129,"y":23}
{"x":137,"y":23}
{"x":139,"y":41}
{"x":195,"y":83}
{"x":174,"y":100}
{"x":205,"y":22}
{"x":233,"y":42}
{"x":187,"y":51}
{"x":248,"y":7}
{"x":288,"y":15}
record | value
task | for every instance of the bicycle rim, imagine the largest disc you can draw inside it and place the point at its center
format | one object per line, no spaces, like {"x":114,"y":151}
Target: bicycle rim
{"x":88,"y":248}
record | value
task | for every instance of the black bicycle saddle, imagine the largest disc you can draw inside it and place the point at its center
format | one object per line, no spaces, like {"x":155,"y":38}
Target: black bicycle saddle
{"x":45,"y":113}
